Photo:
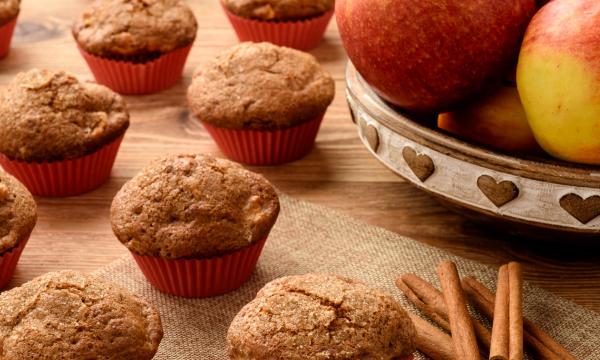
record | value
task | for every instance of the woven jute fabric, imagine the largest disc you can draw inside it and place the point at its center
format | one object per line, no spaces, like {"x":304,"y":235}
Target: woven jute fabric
{"x":309,"y":238}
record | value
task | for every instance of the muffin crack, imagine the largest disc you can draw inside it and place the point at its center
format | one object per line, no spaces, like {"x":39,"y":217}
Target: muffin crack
{"x":135,"y":30}
{"x":338,"y":309}
{"x":277,"y":10}
{"x":52,"y":116}
{"x":24,"y":312}
{"x":260,"y":86}
{"x":18,"y":213}
{"x":320,"y":316}
{"x":188,"y":205}
{"x":55,"y":313}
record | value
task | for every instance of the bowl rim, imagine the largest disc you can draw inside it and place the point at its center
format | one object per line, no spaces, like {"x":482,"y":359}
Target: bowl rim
{"x":546,"y":170}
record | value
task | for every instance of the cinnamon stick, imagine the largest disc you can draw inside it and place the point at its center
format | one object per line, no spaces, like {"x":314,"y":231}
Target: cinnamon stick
{"x":461,"y":326}
{"x":515,"y":284}
{"x":425,"y":298}
{"x":537,"y":339}
{"x":533,"y":333}
{"x":431,"y":302}
{"x":431,"y":341}
{"x":499,"y":349}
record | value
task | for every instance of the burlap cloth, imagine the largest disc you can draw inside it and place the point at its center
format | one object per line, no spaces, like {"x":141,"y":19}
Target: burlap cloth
{"x":309,"y":238}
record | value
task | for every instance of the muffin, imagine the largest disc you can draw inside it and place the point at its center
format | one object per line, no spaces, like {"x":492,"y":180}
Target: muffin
{"x":278,"y":10}
{"x":9,"y":10}
{"x":195,"y":224}
{"x":136,"y":46}
{"x":299,"y":24}
{"x":262,"y":104}
{"x":58,"y":135}
{"x":18,"y":215}
{"x":319,"y":316}
{"x":69,"y":315}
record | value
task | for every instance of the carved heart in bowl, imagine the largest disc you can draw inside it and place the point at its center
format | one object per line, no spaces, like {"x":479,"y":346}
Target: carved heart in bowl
{"x":420,"y":164}
{"x":499,"y":193}
{"x":584,"y":210}
{"x":370,"y":133}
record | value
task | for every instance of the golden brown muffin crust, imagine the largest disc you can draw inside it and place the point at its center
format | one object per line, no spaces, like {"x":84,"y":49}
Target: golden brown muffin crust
{"x":18,"y":212}
{"x":278,"y":9}
{"x":260,"y":86}
{"x":9,"y":9}
{"x":51,"y":115}
{"x":69,"y":315}
{"x":193,"y":206}
{"x":135,"y":29}
{"x":320,"y":316}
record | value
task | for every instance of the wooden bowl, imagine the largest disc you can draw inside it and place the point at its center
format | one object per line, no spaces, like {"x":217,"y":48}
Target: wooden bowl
{"x":536,"y":197}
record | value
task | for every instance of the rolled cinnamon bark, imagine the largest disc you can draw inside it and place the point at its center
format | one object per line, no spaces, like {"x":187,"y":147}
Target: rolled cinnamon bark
{"x":499,"y":348}
{"x":538,"y":340}
{"x":461,"y":326}
{"x":515,"y":285}
{"x":431,"y":341}
{"x":431,"y":302}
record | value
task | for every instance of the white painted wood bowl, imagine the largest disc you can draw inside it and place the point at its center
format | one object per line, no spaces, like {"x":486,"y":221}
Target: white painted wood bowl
{"x":535,"y":197}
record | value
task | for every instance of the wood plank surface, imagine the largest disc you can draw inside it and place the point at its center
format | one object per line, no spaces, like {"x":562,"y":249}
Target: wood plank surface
{"x":75,"y":232}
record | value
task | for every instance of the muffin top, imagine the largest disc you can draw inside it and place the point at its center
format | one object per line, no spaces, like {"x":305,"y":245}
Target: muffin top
{"x":8,"y":10}
{"x":18,"y":212}
{"x":135,"y":28}
{"x":319,"y":316}
{"x":278,"y":9}
{"x":193,"y":206}
{"x":69,"y":315}
{"x":260,"y":86}
{"x":51,"y":115}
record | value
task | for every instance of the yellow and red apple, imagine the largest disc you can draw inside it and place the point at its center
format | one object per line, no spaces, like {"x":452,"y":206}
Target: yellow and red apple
{"x":497,"y":120}
{"x":432,"y":55}
{"x":558,"y":77}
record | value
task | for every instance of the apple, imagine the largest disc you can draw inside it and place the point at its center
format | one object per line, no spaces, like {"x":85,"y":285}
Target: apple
{"x":432,"y":55}
{"x":497,"y":120}
{"x":541,"y":3}
{"x":558,"y":77}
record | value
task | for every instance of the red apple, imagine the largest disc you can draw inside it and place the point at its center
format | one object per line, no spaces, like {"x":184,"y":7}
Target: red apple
{"x":432,"y":55}
{"x":541,"y":3}
{"x":497,"y":120}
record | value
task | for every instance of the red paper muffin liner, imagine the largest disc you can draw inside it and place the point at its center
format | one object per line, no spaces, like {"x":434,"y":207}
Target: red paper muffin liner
{"x":6,"y":33}
{"x":131,"y":78}
{"x":8,"y":262}
{"x":67,"y":177}
{"x":200,"y":278}
{"x":302,"y":34}
{"x":263,"y":147}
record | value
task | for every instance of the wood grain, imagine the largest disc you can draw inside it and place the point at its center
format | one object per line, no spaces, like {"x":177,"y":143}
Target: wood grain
{"x":340,"y":173}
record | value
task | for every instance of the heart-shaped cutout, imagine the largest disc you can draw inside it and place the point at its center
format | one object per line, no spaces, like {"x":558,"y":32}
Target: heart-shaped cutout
{"x":352,"y":116}
{"x":370,"y":133}
{"x":584,"y":210}
{"x":420,"y":164}
{"x":499,"y":193}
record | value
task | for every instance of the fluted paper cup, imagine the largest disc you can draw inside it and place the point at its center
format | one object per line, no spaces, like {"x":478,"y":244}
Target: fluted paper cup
{"x":200,"y":278}
{"x":265,"y":147}
{"x":6,"y":34}
{"x":8,"y":262}
{"x":67,"y":177}
{"x":130,"y":78}
{"x":299,"y":34}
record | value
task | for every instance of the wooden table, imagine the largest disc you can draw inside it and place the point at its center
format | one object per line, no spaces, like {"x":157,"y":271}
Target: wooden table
{"x":75,"y":232}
